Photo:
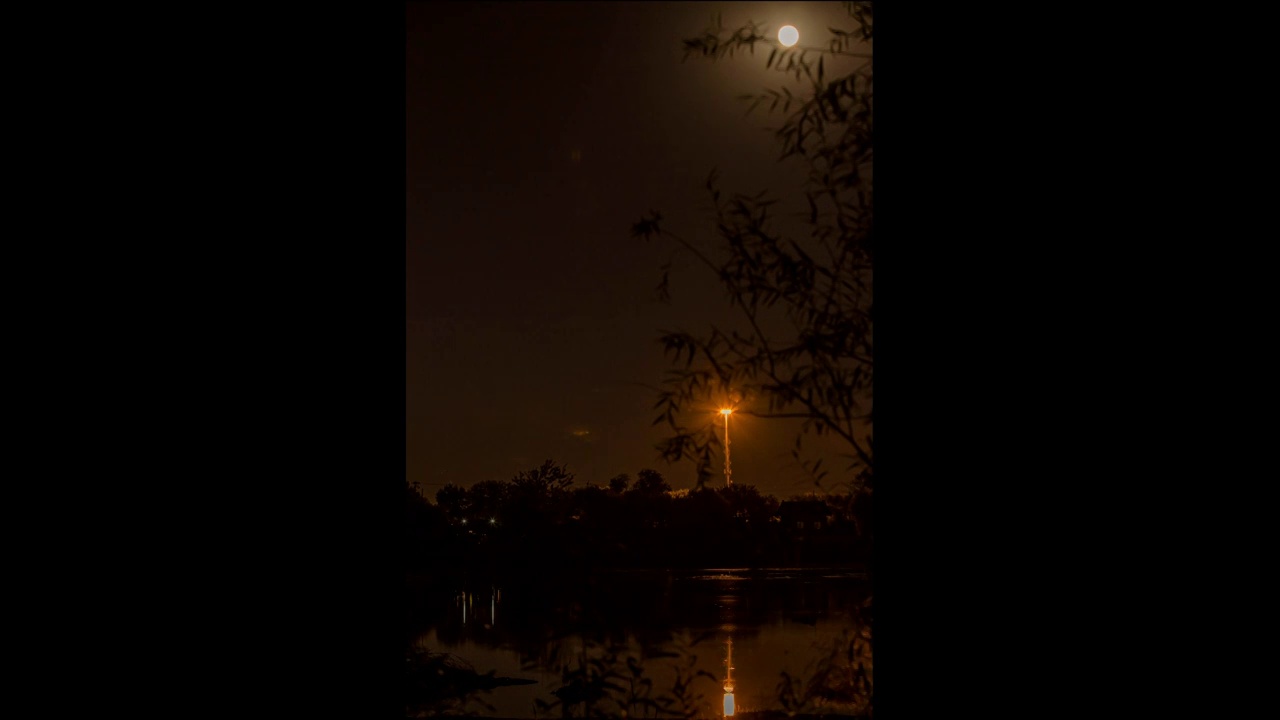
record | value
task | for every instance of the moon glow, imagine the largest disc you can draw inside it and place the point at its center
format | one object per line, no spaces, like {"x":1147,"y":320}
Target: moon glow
{"x":788,"y":35}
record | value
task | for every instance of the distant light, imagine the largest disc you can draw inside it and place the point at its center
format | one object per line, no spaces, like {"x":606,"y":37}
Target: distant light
{"x":464,"y":521}
{"x":726,"y":411}
{"x":728,"y":704}
{"x":493,"y":521}
{"x":788,"y":35}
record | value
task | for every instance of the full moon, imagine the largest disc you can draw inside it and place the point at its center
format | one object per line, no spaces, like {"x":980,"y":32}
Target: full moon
{"x":788,"y":35}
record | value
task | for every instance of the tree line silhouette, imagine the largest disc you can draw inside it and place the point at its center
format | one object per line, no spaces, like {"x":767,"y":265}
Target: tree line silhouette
{"x":540,"y":521}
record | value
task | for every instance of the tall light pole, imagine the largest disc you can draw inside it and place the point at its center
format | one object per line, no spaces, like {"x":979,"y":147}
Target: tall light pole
{"x":728,"y":476}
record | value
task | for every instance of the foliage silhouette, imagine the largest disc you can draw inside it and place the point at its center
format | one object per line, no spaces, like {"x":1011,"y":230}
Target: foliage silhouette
{"x":650,"y":482}
{"x":538,"y":522}
{"x":609,"y":681}
{"x":816,"y":285}
{"x":444,"y":684}
{"x":839,"y":680}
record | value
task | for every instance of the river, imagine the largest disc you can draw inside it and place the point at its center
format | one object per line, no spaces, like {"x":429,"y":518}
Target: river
{"x":656,"y":625}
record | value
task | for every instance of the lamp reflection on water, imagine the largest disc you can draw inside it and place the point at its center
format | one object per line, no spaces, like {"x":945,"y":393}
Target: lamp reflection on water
{"x":467,"y":601}
{"x":728,"y":678}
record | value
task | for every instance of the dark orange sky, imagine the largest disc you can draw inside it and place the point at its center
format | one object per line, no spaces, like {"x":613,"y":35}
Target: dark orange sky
{"x":537,"y":133}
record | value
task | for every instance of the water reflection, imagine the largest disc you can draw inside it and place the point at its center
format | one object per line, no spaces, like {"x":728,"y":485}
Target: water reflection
{"x":728,"y":677}
{"x":466,"y":601}
{"x":774,"y":619}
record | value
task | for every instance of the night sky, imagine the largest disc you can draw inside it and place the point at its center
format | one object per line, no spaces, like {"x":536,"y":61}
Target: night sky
{"x":537,"y":133}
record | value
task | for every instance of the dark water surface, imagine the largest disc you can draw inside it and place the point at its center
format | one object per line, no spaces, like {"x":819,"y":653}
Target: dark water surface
{"x":776,"y":620}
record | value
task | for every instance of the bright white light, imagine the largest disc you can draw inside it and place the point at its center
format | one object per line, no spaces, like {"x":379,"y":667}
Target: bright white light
{"x":788,"y":35}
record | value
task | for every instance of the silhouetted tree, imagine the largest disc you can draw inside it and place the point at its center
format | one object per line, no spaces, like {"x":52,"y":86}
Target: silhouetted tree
{"x":619,"y":483}
{"x":545,"y":480}
{"x":539,"y":505}
{"x":817,"y":284}
{"x":592,"y":504}
{"x":539,"y":521}
{"x":453,"y":500}
{"x":487,"y":498}
{"x":425,"y":526}
{"x":746,"y":503}
{"x":650,"y":482}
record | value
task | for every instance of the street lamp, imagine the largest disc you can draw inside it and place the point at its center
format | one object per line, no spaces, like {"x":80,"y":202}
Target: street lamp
{"x":728,"y":477}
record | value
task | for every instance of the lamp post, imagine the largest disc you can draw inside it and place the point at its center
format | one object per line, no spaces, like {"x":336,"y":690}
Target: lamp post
{"x":728,"y":477}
